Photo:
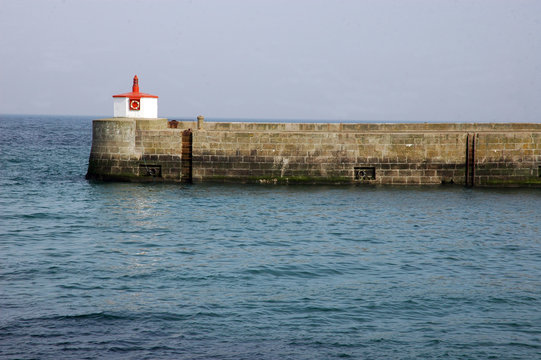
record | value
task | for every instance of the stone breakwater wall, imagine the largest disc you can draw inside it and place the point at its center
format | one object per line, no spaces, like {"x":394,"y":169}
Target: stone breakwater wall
{"x":471,"y":154}
{"x":126,"y":149}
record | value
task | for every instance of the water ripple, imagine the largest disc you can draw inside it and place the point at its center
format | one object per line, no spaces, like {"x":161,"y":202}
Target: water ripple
{"x":112,"y":270}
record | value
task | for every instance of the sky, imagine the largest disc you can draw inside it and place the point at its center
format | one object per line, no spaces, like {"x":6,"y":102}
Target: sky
{"x":340,"y":60}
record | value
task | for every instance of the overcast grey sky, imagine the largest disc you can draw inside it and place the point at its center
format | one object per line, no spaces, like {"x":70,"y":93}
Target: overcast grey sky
{"x":421,"y":60}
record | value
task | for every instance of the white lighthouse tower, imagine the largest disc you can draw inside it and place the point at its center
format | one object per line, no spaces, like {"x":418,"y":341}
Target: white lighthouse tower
{"x":135,"y":104}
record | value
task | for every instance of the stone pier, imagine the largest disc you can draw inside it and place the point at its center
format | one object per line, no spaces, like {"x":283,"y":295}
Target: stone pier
{"x":503,"y":154}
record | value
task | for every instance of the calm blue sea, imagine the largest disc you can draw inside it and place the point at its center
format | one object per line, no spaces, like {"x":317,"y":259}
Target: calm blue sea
{"x":92,"y":270}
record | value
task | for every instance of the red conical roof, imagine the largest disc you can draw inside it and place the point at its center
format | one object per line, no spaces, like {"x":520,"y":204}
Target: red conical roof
{"x":135,"y":94}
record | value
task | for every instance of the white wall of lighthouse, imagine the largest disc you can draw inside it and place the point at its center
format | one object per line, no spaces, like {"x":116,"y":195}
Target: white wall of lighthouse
{"x":148,"y":108}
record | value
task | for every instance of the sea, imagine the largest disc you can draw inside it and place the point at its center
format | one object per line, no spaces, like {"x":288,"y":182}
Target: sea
{"x":96,"y":270}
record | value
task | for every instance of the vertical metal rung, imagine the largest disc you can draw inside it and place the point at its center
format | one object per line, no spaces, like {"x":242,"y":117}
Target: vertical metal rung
{"x":187,"y":156}
{"x":470,"y":160}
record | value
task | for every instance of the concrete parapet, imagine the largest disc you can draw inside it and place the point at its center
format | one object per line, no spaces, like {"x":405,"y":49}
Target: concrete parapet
{"x":370,"y":128}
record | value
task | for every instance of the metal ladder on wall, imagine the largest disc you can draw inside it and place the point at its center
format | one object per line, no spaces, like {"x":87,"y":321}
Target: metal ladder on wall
{"x":470,"y":160}
{"x":186,"y":167}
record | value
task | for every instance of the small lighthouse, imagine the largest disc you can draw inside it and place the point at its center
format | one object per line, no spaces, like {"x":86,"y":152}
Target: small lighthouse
{"x":135,"y":104}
